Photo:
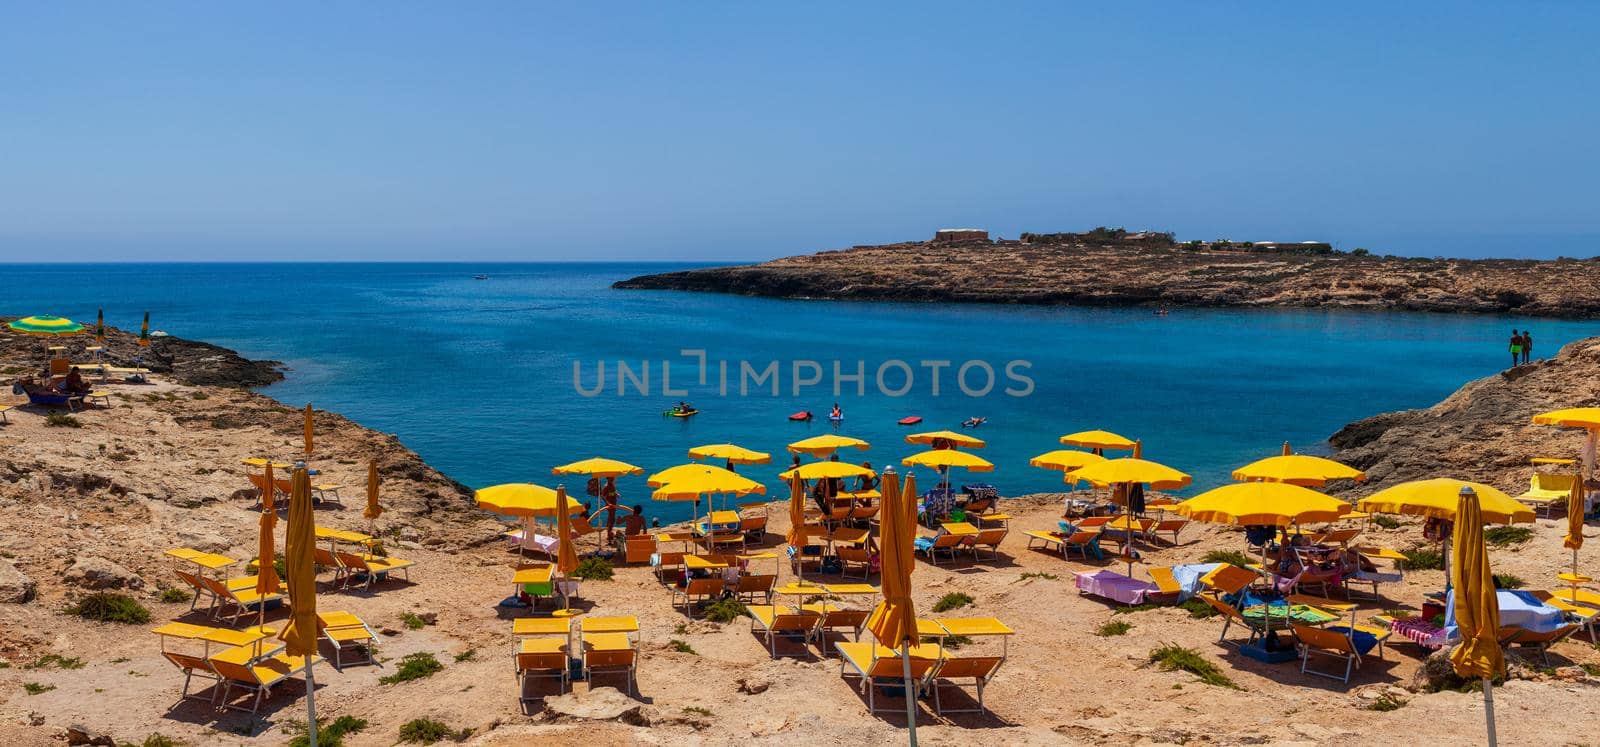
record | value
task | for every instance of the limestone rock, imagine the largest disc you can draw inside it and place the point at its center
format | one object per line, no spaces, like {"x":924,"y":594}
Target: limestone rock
{"x":753,"y":685}
{"x":204,"y":541}
{"x":80,"y":734}
{"x":15,"y":586}
{"x":599,"y":704}
{"x":92,"y":572}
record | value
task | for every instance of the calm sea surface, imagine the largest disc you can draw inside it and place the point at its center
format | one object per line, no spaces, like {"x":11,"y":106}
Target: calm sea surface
{"x":477,"y":375}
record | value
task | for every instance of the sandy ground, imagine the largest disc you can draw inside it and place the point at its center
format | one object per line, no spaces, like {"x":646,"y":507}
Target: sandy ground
{"x":1061,"y":685}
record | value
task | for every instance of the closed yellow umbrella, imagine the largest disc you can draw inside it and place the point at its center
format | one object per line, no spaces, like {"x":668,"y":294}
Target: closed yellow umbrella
{"x":1477,"y":607}
{"x":1262,"y":503}
{"x":300,"y":635}
{"x":731,"y":453}
{"x":825,"y":444}
{"x":522,"y":499}
{"x":1129,"y":470}
{"x":1439,"y":497}
{"x":1574,"y":538}
{"x":1065,"y":460}
{"x":373,"y":509}
{"x":266,"y":571}
{"x":308,"y":428}
{"x":566,"y":554}
{"x":597,"y":467}
{"x":894,"y":621}
{"x":797,"y":521}
{"x":955,"y":439}
{"x":1298,"y":469}
{"x":826,"y":471}
{"x":1587,"y":418}
{"x":1098,"y":440}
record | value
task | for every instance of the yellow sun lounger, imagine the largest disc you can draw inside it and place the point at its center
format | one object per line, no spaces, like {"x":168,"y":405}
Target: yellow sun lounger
{"x":1578,"y":612}
{"x":775,"y":620}
{"x":610,"y":653}
{"x":1330,"y":643}
{"x":241,"y":670}
{"x":242,"y":600}
{"x":542,"y":657}
{"x":346,"y":631}
{"x":1546,"y":491}
{"x":372,"y":567}
{"x":873,"y":664}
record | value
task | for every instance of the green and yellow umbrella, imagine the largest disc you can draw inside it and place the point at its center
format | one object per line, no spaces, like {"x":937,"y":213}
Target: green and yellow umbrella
{"x":144,"y":331}
{"x":45,"y":326}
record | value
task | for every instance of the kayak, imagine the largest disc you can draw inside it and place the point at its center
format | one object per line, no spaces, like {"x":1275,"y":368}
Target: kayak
{"x":910,"y":420}
{"x":802,"y":415}
{"x":677,"y":414}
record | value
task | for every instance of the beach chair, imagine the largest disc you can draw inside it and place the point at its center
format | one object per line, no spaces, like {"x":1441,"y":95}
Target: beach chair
{"x":754,"y":528}
{"x":326,"y":492}
{"x":239,"y":671}
{"x":989,"y":538}
{"x":60,"y":367}
{"x":1576,"y":611}
{"x":1539,"y":642}
{"x":1232,"y":616}
{"x":98,"y":397}
{"x":1546,"y":491}
{"x":777,"y":620}
{"x":3,"y":410}
{"x":194,"y":666}
{"x":346,"y":632}
{"x":948,"y":673}
{"x":1093,"y":522}
{"x":1162,"y":526}
{"x":752,"y":586}
{"x":200,"y":589}
{"x":325,"y":558}
{"x":697,"y":590}
{"x":944,"y":543}
{"x":1340,"y":537}
{"x":372,"y":567}
{"x":242,"y":600}
{"x":724,"y":541}
{"x":852,"y":556}
{"x":1334,"y":644}
{"x":859,"y":514}
{"x":1166,"y":585}
{"x":610,"y":653}
{"x":638,"y":549}
{"x":836,"y":619}
{"x":542,"y":657}
{"x":261,"y":486}
{"x":874,"y":665}
{"x":668,"y":562}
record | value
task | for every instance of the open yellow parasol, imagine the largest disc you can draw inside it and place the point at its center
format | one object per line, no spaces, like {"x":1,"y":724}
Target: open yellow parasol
{"x":730,"y":452}
{"x":1262,"y":503}
{"x":945,"y":458}
{"x":691,"y":481}
{"x":522,"y":499}
{"x":1587,"y":418}
{"x":826,"y":471}
{"x":1298,"y":469}
{"x":1128,"y":470}
{"x":1065,"y":460}
{"x":825,"y":444}
{"x":955,"y":439}
{"x":1098,"y":440}
{"x":1438,"y":498}
{"x":597,"y":467}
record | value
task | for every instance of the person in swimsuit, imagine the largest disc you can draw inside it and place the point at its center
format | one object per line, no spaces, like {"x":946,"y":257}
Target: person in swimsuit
{"x":1527,"y":345}
{"x":1516,"y":346}
{"x":609,"y":495}
{"x":836,"y":414}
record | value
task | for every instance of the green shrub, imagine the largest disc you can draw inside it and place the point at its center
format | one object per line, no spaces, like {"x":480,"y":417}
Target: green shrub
{"x":110,"y":607}
{"x":1385,"y":702}
{"x":1424,"y":559}
{"x":1386,"y":521}
{"x":1231,"y":557}
{"x":953,"y":601}
{"x":594,"y":569}
{"x":955,"y":642}
{"x":1198,"y":609}
{"x":680,"y":646}
{"x":725,"y":610}
{"x":1039,"y":575}
{"x":697,"y":711}
{"x":1115,"y":627}
{"x":413,"y":667}
{"x":172,"y":595}
{"x":1508,"y":581}
{"x":412,"y":621}
{"x":35,"y":688}
{"x":58,"y":661}
{"x":158,"y":740}
{"x":60,"y":420}
{"x":466,"y":655}
{"x":425,"y":731}
{"x":1590,"y":668}
{"x":1507,"y":536}
{"x":328,"y":735}
{"x":1172,"y":656}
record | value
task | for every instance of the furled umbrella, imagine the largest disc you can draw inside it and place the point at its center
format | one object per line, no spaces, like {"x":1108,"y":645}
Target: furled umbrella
{"x":100,"y":326}
{"x":301,"y":633}
{"x":266,"y":555}
{"x":308,"y":429}
{"x":1477,"y":606}
{"x":826,"y":444}
{"x":934,"y":438}
{"x":144,"y":331}
{"x":1587,"y":418}
{"x":1574,"y":538}
{"x":894,"y":621}
{"x":373,"y":510}
{"x":45,"y":326}
{"x":566,"y":554}
{"x":796,"y":538}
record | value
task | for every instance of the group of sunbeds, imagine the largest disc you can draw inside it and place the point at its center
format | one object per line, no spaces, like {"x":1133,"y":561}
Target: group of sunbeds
{"x":934,"y":667}
{"x":605,"y":645}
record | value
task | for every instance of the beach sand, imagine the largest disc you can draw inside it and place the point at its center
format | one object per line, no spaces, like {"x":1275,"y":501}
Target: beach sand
{"x":160,"y":469}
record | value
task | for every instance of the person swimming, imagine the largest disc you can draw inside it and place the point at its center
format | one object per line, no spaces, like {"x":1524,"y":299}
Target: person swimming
{"x":836,"y":413}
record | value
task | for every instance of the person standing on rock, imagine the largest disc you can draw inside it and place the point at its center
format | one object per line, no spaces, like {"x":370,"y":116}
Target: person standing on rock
{"x":1516,"y":346}
{"x":1527,"y":345}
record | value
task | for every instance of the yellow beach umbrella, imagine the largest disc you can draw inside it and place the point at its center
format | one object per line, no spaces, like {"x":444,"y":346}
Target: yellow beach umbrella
{"x":373,"y":509}
{"x":691,"y":481}
{"x":300,"y":544}
{"x":308,"y":429}
{"x":262,"y":462}
{"x":730,"y":452}
{"x":825,"y":444}
{"x":1298,"y":469}
{"x":955,"y":439}
{"x":946,"y":458}
{"x":597,"y":467}
{"x":1439,"y":497}
{"x":1262,"y":503}
{"x":522,"y":499}
{"x":1128,"y":470}
{"x":826,"y":471}
{"x":1098,"y":440}
{"x":1065,"y":460}
{"x":1477,"y":606}
{"x":1587,"y":418}
{"x":894,"y":621}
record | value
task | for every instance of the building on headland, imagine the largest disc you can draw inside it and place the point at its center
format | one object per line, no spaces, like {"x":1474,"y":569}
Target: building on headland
{"x":961,"y":234}
{"x":1304,"y":247}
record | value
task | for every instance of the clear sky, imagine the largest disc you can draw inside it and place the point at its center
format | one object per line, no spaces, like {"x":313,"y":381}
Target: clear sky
{"x":746,"y":130}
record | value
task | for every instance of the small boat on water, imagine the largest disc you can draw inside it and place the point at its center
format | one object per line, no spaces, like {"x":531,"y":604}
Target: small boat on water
{"x":910,"y":420}
{"x":676,"y":413}
{"x":480,"y":277}
{"x":801,"y":416}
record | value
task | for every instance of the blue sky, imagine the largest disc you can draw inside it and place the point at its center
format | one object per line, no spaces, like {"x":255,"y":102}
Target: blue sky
{"x":716,"y":131}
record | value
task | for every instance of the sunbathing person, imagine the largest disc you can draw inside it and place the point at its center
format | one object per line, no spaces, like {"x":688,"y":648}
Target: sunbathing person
{"x":74,"y":383}
{"x":633,"y":524}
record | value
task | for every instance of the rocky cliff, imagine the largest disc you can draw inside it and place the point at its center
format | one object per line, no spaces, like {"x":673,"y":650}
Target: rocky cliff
{"x":1128,"y":274}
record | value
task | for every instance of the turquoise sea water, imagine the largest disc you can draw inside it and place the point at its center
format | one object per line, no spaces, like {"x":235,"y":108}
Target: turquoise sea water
{"x":477,"y":376}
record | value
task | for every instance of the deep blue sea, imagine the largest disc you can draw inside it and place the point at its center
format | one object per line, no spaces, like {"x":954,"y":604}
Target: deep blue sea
{"x":478,"y":375}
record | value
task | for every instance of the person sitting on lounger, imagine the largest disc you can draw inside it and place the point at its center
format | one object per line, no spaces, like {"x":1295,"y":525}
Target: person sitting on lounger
{"x":633,"y":524}
{"x":74,"y":383}
{"x":866,"y":482}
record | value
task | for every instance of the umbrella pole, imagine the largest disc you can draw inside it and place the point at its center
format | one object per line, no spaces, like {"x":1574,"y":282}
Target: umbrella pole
{"x":311,"y":704}
{"x":911,"y":694}
{"x":1488,"y":710}
{"x":1574,"y":575}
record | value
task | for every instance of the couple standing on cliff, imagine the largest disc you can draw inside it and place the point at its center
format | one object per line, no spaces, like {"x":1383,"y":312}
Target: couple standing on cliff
{"x":1521,"y":346}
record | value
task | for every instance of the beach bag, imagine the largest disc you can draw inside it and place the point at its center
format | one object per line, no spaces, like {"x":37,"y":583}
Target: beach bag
{"x":831,"y":564}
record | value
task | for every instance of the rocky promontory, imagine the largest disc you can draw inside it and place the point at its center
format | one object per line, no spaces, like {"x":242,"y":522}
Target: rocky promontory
{"x":1101,"y":268}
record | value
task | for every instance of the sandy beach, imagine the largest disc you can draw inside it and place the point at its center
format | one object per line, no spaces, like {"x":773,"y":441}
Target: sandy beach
{"x":161,"y":468}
